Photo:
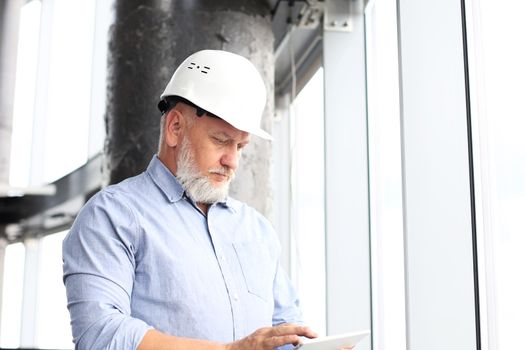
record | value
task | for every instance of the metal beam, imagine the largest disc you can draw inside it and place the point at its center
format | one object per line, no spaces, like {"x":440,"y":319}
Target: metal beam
{"x":80,"y":183}
{"x":347,"y":201}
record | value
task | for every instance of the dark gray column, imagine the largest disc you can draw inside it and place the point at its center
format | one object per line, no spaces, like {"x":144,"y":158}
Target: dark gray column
{"x":148,"y":41}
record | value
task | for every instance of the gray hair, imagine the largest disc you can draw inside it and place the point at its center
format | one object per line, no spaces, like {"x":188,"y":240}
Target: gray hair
{"x":161,"y":134}
{"x":189,"y":120}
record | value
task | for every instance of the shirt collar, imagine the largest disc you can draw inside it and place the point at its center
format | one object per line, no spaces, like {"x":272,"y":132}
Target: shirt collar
{"x":168,"y":183}
{"x":165,"y":180}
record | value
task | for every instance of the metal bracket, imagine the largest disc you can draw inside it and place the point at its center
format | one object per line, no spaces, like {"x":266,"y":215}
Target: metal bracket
{"x":311,"y":15}
{"x":338,"y":14}
{"x":10,"y":191}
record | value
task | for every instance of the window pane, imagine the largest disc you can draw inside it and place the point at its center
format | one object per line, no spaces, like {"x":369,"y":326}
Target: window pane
{"x":23,"y":109}
{"x":12,"y":296}
{"x":386,"y":206}
{"x":104,"y":17}
{"x":66,"y":127}
{"x":53,"y":327}
{"x":496,"y":55}
{"x":308,"y":224}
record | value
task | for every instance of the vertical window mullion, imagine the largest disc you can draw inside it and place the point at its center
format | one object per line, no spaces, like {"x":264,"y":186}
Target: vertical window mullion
{"x":346,"y":179}
{"x":28,"y":330}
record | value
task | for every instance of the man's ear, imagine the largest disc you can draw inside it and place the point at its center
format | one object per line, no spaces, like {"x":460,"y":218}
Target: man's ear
{"x":173,"y":127}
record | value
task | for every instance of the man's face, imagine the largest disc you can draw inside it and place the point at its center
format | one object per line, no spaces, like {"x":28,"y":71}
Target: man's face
{"x":208,"y":158}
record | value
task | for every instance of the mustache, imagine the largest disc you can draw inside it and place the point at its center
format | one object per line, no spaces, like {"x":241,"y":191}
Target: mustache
{"x":223,"y":171}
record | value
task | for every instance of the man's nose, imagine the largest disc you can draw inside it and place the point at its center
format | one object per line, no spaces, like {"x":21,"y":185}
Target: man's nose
{"x":230,"y":158}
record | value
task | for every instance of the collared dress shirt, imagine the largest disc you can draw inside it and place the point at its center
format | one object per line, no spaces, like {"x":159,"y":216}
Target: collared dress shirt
{"x":140,"y":255}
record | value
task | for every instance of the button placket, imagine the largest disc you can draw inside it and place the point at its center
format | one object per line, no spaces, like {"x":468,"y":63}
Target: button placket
{"x":229,"y":280}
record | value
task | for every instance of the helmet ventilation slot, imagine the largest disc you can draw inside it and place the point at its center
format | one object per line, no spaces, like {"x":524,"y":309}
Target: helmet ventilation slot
{"x":204,"y":69}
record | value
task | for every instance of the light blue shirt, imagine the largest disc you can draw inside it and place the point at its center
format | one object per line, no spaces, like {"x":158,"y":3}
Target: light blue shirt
{"x":141,"y":256}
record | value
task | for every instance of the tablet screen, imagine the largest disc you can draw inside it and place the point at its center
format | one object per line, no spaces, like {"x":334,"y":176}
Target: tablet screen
{"x":333,"y":342}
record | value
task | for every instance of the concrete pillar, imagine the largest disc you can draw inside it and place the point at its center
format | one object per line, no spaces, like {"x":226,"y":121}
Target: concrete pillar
{"x":148,"y":41}
{"x":9,"y":22}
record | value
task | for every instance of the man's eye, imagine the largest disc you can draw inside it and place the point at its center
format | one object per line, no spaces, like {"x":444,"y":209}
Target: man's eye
{"x":220,"y":141}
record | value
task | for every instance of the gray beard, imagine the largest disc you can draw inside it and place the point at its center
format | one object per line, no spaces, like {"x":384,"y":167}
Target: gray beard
{"x":198,"y":187}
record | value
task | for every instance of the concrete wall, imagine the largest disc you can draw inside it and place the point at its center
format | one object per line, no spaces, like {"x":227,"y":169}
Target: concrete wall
{"x":148,"y":41}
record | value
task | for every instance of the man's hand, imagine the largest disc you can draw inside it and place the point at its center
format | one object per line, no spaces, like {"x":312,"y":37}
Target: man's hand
{"x":270,"y":338}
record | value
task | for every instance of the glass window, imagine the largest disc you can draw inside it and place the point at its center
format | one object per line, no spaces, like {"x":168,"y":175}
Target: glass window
{"x":386,"y":206}
{"x":53,"y":329}
{"x":307,"y":187}
{"x":497,"y":72}
{"x":67,"y":107}
{"x":23,"y":108}
{"x":13,"y":284}
{"x":60,"y":88}
{"x":104,"y":17}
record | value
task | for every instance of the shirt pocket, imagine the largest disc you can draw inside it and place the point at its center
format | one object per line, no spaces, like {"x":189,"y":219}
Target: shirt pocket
{"x":257,"y":268}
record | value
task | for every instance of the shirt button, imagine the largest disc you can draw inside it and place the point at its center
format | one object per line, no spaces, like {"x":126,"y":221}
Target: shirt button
{"x":235,"y":297}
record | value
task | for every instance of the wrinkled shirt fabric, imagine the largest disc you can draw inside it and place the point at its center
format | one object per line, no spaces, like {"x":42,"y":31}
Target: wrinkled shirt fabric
{"x":140,"y":255}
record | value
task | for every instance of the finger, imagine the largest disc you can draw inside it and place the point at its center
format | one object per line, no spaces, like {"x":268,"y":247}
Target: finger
{"x":277,"y":341}
{"x":309,"y":333}
{"x":294,"y":329}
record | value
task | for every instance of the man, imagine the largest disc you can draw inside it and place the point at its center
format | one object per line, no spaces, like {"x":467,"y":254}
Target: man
{"x":166,"y":260}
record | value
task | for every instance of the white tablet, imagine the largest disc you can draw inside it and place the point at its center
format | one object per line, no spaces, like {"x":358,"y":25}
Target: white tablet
{"x":333,"y":342}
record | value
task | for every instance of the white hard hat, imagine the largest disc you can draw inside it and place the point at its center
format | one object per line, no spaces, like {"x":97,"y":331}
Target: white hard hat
{"x":224,"y":84}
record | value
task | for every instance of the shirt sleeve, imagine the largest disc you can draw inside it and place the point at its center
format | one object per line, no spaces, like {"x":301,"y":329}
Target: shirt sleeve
{"x":286,"y":302}
{"x":99,"y":264}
